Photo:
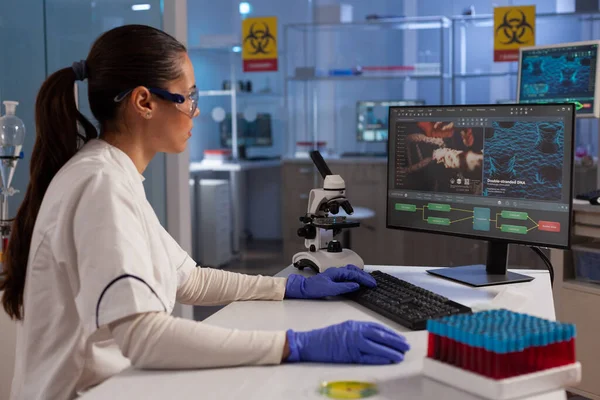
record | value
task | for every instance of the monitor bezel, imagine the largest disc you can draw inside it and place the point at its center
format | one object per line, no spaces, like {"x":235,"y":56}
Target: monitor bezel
{"x":358,"y":102}
{"x":596,"y":113}
{"x":480,"y":237}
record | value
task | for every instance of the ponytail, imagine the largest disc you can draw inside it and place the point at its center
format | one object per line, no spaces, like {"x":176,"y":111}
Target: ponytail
{"x":57,"y":140}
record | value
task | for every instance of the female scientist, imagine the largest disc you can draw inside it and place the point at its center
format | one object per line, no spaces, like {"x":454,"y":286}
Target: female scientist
{"x":91,"y":272}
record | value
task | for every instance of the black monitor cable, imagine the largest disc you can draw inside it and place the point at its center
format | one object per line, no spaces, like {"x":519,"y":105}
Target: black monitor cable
{"x":546,"y":260}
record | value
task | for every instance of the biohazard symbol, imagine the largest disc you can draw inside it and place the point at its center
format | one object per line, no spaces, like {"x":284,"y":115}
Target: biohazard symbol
{"x":514,"y":28}
{"x":259,"y":39}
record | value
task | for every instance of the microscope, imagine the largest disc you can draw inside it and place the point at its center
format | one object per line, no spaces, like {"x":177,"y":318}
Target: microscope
{"x":319,"y":228}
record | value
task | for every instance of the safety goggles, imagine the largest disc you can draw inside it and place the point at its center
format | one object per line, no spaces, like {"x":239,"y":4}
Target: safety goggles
{"x":187,"y":105}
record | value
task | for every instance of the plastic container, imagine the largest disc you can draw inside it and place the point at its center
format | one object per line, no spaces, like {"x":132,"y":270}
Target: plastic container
{"x":586,"y":260}
{"x":304,"y":148}
{"x":350,"y":384}
{"x":501,"y":354}
{"x":500,"y":344}
{"x":516,"y":387}
{"x":217,"y":155}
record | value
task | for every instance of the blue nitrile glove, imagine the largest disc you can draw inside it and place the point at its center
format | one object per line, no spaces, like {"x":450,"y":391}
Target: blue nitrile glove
{"x":348,"y":342}
{"x":332,"y":282}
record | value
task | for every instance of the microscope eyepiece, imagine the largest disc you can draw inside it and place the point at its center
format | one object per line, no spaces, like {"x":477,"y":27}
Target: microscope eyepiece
{"x":320,"y":163}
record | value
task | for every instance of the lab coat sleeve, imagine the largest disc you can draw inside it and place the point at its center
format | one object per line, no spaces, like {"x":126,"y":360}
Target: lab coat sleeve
{"x":160,"y":341}
{"x":115,"y":270}
{"x":207,"y":286}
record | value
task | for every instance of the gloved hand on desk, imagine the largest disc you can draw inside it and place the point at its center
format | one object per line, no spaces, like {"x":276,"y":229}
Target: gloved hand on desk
{"x":332,"y":282}
{"x":348,"y":342}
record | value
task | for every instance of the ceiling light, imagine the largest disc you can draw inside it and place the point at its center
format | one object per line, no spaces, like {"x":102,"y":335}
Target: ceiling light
{"x":245,"y":8}
{"x":141,"y":7}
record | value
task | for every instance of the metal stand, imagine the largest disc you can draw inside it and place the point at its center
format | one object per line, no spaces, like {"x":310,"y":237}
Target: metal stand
{"x":5,"y":193}
{"x":237,"y":182}
{"x":5,"y":224}
{"x":494,"y":272}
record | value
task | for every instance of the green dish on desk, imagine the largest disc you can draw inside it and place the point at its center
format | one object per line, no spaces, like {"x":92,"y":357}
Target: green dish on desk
{"x":348,"y":389}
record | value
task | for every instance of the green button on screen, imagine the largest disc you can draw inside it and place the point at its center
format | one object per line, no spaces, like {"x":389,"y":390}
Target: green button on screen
{"x":406,"y":207}
{"x":515,"y":215}
{"x":522,"y":230}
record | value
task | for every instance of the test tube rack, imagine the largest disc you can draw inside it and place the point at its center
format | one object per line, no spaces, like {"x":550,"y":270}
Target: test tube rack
{"x":499,"y":354}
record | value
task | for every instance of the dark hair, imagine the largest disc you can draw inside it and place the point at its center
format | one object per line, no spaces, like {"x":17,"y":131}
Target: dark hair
{"x":119,"y":60}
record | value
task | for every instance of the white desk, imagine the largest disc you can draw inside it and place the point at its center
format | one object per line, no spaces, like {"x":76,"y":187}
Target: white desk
{"x":300,"y":381}
{"x":237,"y":184}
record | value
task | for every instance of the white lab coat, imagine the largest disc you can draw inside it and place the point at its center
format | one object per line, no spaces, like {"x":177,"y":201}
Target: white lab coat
{"x":98,"y":254}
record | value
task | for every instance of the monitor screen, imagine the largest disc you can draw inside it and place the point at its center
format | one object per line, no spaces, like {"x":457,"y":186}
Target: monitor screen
{"x":372,"y":118}
{"x":560,"y":74}
{"x":492,"y":172}
{"x":250,"y":134}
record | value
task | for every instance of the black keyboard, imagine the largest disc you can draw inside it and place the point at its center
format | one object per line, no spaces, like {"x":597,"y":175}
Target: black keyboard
{"x":407,"y":304}
{"x":588,"y":195}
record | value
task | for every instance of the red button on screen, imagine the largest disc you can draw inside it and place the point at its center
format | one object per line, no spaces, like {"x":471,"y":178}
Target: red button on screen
{"x":549,"y":226}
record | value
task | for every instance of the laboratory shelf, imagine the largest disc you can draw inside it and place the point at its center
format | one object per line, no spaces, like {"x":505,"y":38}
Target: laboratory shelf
{"x":369,"y":77}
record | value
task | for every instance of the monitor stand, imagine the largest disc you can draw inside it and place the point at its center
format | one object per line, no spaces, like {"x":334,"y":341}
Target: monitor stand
{"x":493,"y":273}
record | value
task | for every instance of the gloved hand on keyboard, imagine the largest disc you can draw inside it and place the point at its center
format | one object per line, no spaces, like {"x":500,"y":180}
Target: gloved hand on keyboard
{"x":332,"y":282}
{"x":348,"y":342}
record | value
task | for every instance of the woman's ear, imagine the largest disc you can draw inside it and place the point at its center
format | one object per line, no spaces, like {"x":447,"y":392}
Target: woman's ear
{"x":141,"y":101}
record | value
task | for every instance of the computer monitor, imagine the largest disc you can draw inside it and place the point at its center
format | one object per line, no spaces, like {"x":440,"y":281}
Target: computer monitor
{"x":565,"y":73}
{"x":501,"y":173}
{"x":372,"y":118}
{"x":257,"y":133}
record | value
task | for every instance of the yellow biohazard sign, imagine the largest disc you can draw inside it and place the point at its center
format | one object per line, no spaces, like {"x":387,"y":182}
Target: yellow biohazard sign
{"x":259,"y":44}
{"x":514,"y":27}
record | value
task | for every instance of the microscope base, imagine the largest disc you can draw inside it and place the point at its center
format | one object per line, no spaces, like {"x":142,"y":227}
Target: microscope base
{"x":322,"y":260}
